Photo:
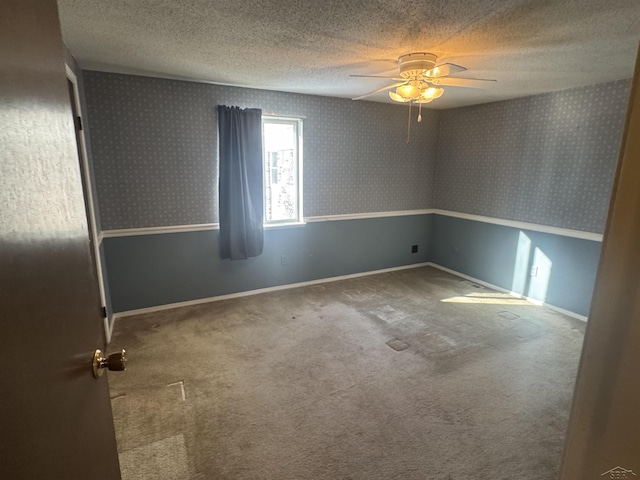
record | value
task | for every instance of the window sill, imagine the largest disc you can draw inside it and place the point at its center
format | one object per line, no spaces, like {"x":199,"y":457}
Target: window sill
{"x":271,"y":226}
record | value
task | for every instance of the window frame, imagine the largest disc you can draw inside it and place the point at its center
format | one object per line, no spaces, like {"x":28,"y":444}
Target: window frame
{"x":297,"y":124}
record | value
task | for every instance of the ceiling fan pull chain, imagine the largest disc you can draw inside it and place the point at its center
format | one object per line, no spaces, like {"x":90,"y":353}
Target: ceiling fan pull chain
{"x":409,"y":124}
{"x":420,"y":112}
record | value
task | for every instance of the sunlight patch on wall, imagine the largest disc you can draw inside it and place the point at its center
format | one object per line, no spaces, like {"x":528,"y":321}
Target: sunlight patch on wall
{"x":540,"y":276}
{"x":521,"y":264}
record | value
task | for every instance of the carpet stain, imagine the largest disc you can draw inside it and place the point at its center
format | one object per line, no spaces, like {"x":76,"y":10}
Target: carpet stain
{"x":398,"y":345}
{"x":389,"y":314}
{"x":359,"y":295}
{"x":508,"y":315}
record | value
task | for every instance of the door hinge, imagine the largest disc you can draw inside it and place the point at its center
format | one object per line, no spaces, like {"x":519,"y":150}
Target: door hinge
{"x":104,"y":312}
{"x":78,"y":122}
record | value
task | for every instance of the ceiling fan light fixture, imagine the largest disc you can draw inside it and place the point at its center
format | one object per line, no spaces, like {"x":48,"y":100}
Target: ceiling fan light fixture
{"x":408,"y":91}
{"x":431,"y":93}
{"x":416,"y":91}
{"x":420,"y":80}
{"x":397,"y":98}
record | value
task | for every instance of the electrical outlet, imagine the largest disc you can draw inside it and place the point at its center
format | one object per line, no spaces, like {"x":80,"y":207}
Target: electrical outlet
{"x":283,"y":260}
{"x":534,"y":271}
{"x":414,"y":248}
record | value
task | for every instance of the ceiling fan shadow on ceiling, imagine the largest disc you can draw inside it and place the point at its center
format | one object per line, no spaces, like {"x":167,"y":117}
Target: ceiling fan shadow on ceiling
{"x":420,"y":80}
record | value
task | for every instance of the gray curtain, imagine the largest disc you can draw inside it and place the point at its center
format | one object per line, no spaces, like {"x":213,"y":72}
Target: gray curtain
{"x":240,"y":183}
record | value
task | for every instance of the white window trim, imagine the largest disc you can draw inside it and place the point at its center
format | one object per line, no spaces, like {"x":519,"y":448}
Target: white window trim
{"x":299,"y":220}
{"x":291,"y":224}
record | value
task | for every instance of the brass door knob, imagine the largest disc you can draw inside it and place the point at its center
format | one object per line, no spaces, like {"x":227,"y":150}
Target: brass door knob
{"x":115,"y":362}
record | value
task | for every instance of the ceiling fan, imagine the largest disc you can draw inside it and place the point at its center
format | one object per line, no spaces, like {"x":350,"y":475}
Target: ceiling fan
{"x":421,"y":80}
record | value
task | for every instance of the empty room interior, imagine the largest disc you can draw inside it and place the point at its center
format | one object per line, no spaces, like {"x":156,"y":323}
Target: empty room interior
{"x":400,"y":287}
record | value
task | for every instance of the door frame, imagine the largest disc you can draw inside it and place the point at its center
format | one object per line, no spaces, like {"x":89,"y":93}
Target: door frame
{"x":604,"y":420}
{"x":95,"y":234}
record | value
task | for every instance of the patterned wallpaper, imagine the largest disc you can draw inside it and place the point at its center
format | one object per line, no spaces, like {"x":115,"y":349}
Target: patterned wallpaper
{"x":546,"y":159}
{"x":154,"y":146}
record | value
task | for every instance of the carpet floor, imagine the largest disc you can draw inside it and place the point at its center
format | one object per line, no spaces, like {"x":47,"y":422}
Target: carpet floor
{"x":414,"y":374}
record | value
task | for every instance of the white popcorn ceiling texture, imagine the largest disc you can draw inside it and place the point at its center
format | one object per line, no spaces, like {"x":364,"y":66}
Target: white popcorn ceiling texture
{"x":311,"y":46}
{"x":547,"y":159}
{"x":154,"y":150}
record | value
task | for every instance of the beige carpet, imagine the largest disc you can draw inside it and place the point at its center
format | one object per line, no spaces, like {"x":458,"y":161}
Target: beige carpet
{"x":165,"y":459}
{"x":414,"y":374}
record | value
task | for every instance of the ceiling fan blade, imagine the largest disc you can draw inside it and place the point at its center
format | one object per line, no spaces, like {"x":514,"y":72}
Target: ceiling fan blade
{"x":376,"y":76}
{"x":393,"y":85}
{"x":463,"y":82}
{"x":444,"y":70}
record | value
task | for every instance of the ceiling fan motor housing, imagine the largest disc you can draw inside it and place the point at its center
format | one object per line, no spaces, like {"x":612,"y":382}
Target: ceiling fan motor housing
{"x":414,"y":64}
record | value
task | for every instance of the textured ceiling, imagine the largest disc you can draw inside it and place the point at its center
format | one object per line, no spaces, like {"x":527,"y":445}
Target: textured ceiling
{"x":528,"y":46}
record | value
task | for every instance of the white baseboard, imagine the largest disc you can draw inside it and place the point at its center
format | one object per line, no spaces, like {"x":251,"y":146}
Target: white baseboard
{"x":504,"y":290}
{"x":140,"y":311}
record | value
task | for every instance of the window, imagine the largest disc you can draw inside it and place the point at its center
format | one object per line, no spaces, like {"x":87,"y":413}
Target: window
{"x":282,"y":143}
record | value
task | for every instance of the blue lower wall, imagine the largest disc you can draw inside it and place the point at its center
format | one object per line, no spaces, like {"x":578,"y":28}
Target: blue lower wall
{"x":552,"y":268}
{"x":152,"y":270}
